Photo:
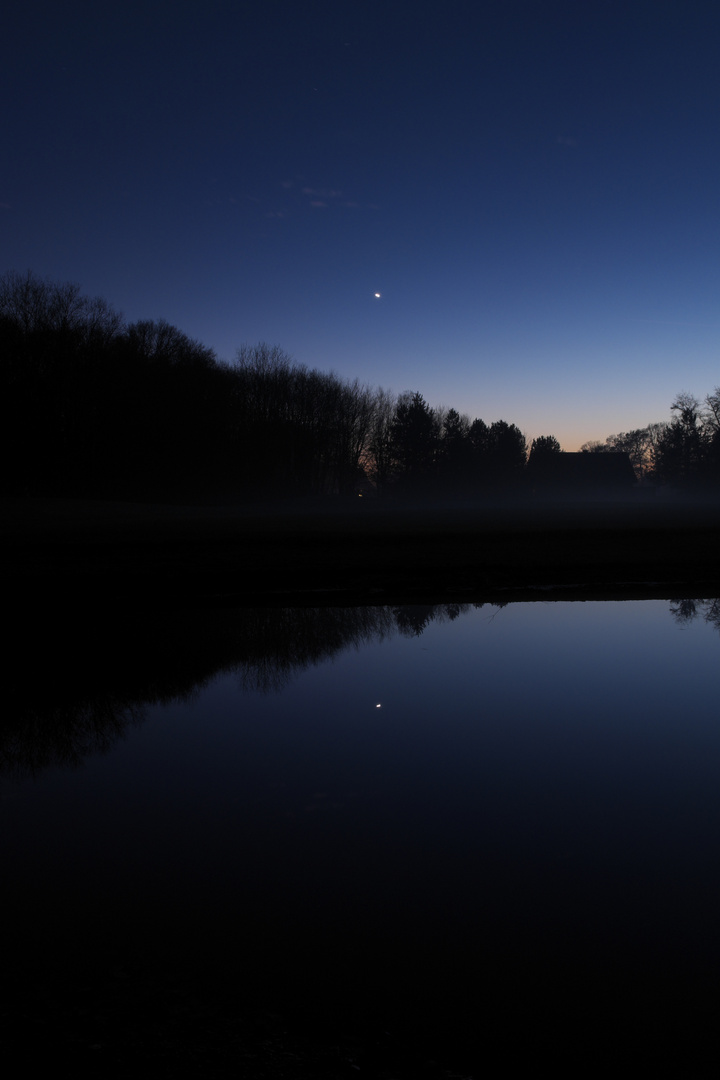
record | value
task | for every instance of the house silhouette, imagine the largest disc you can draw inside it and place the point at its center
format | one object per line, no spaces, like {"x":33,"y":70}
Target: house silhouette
{"x":606,"y":471}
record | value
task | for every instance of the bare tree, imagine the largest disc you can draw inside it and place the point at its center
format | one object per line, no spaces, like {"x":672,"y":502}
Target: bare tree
{"x":377,"y":458}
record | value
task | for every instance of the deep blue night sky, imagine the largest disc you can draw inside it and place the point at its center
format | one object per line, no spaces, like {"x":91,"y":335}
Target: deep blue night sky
{"x":533,"y":188}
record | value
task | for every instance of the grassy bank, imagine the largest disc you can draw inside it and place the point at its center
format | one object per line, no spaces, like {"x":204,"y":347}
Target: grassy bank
{"x":354,"y":552}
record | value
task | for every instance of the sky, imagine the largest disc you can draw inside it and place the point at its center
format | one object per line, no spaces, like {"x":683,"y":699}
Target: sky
{"x":532,"y":187}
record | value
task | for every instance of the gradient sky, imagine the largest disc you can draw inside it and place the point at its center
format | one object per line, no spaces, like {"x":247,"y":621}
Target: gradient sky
{"x":533,"y":188}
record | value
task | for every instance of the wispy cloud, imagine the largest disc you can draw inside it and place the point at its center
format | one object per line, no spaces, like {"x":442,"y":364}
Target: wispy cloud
{"x":300,"y":193}
{"x":322,"y":193}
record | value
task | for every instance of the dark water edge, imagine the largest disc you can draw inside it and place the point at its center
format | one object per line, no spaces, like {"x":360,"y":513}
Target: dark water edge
{"x":114,"y":992}
{"x":145,"y":1001}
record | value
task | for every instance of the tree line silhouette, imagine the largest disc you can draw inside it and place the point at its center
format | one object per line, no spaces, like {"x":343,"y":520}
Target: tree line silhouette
{"x":93,"y":406}
{"x":683,"y":451}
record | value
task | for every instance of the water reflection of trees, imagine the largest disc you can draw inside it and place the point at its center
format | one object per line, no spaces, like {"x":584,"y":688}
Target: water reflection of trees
{"x":64,"y":736}
{"x":412,"y":619}
{"x":78,"y":684}
{"x":685,"y":611}
{"x":280,"y":642}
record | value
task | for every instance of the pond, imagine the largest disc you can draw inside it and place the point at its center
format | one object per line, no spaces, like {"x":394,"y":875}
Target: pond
{"x":495,"y":821}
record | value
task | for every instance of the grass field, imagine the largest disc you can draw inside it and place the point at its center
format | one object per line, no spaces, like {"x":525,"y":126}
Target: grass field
{"x":355,"y":552}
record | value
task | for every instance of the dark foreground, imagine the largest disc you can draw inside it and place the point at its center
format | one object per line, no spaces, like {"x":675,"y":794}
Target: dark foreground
{"x":355,"y":553}
{"x":124,"y":1022}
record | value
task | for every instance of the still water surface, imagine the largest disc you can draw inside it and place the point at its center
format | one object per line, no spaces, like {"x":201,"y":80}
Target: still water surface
{"x":410,"y":804}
